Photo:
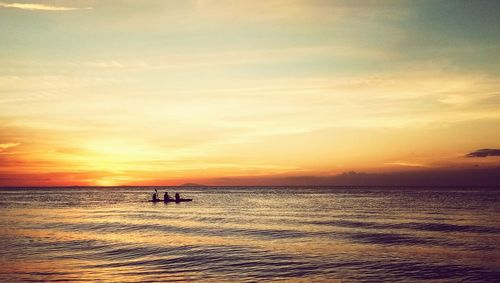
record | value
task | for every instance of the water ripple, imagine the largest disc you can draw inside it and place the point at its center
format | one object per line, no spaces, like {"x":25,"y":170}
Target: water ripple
{"x":251,"y":235}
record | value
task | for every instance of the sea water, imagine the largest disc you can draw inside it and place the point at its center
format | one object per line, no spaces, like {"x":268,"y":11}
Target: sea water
{"x":250,"y":234}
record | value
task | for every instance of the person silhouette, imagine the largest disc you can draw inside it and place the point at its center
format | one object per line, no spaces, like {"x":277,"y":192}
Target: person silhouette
{"x":155,"y":197}
{"x":177,"y":197}
{"x":166,"y":197}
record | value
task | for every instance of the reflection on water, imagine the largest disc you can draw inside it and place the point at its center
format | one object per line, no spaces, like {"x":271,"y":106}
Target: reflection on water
{"x":250,"y":234}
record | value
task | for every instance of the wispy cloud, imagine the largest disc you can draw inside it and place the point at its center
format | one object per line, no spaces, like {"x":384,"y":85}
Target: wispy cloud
{"x":39,"y":7}
{"x":4,"y":146}
{"x":405,"y":164}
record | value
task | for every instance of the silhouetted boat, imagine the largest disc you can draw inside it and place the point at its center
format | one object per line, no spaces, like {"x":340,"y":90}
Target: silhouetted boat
{"x":172,"y":200}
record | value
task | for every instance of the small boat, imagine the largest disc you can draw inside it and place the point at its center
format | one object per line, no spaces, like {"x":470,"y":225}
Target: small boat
{"x":172,"y":200}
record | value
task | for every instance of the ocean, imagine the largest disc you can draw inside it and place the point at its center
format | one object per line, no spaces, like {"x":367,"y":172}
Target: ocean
{"x":250,"y":234}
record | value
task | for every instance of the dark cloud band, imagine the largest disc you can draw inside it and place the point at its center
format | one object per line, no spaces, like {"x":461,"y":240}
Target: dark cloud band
{"x":485,"y":152}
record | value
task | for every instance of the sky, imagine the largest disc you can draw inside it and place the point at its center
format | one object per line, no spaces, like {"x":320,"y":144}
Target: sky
{"x":109,"y":93}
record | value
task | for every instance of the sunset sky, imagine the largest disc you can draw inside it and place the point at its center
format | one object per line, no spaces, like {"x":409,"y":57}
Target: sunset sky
{"x":166,"y":92}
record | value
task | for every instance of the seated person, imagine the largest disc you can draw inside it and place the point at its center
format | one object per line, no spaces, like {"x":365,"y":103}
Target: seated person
{"x":166,"y":197}
{"x":155,"y":197}
{"x":177,"y":197}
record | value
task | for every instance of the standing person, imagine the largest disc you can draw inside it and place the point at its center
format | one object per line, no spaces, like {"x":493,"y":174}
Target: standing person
{"x":177,"y":197}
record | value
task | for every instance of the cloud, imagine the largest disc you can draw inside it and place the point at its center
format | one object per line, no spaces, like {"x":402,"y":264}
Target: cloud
{"x":4,"y":146}
{"x":433,"y":177}
{"x":39,"y":7}
{"x":405,"y":164}
{"x":485,"y":152}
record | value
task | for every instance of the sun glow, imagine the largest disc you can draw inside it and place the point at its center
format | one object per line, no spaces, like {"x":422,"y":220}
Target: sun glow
{"x":187,"y":91}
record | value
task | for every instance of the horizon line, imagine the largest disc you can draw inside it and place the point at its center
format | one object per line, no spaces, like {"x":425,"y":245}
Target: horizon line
{"x":271,"y":186}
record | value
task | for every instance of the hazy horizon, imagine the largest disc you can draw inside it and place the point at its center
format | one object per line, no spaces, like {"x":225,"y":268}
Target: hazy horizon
{"x":476,"y":177}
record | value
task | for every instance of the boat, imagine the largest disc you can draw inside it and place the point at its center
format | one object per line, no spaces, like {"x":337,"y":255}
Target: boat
{"x":172,"y":200}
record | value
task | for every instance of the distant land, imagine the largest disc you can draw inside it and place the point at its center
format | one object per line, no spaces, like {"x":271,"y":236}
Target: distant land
{"x":444,"y":177}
